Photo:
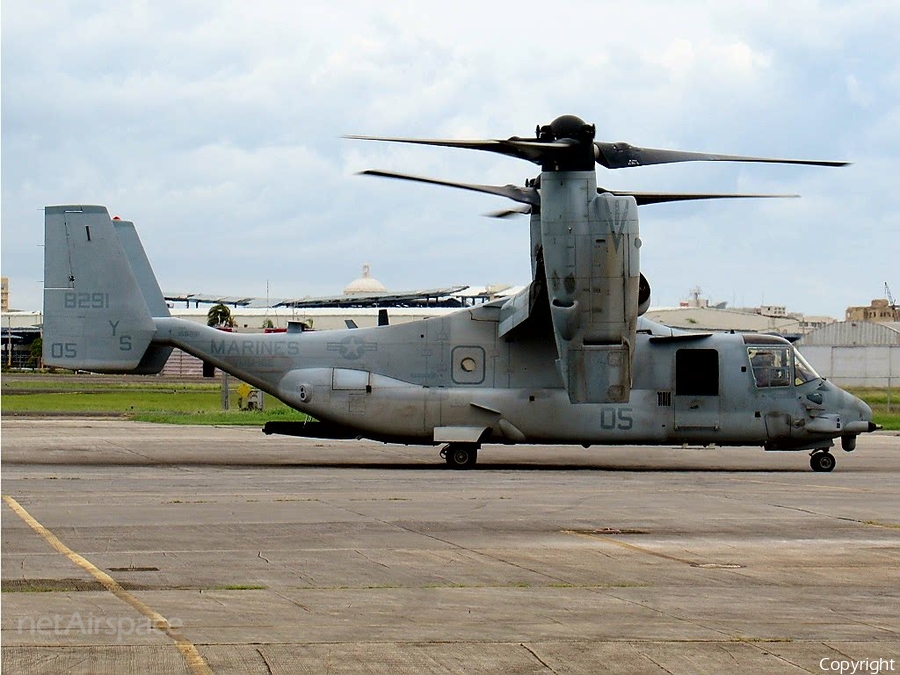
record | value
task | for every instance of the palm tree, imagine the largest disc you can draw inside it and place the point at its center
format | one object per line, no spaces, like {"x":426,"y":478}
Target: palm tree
{"x":219,"y":316}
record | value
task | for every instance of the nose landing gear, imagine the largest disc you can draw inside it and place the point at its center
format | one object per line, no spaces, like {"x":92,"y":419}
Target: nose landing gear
{"x":460,"y":455}
{"x":822,"y":460}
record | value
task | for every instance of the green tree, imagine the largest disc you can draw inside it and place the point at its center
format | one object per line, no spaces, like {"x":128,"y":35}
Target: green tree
{"x":219,"y":316}
{"x":36,"y":353}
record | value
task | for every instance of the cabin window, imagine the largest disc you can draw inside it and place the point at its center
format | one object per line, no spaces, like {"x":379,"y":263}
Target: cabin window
{"x":771,"y":366}
{"x":468,"y":365}
{"x":697,"y":372}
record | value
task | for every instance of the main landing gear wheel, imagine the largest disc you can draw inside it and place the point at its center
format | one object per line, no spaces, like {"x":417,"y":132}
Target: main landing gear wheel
{"x":822,"y":460}
{"x":460,"y":455}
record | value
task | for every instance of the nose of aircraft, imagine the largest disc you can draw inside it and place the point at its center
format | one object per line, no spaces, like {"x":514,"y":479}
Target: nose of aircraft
{"x":856,"y":415}
{"x":865,"y":411}
{"x":858,"y":409}
{"x":855,"y":409}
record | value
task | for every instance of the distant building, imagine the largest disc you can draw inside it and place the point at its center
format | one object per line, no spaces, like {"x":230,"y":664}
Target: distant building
{"x":707,"y":318}
{"x":855,"y":353}
{"x":698,"y":313}
{"x":365,"y":284}
{"x":772,"y":310}
{"x":17,"y":331}
{"x":811,"y":323}
{"x":880,"y":311}
{"x":695,"y":301}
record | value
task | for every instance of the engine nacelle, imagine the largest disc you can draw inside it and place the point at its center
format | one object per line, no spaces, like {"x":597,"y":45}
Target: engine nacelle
{"x":592,"y":263}
{"x":643,"y":296}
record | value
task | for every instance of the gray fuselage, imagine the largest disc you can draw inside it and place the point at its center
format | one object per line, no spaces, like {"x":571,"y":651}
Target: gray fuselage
{"x":452,"y":379}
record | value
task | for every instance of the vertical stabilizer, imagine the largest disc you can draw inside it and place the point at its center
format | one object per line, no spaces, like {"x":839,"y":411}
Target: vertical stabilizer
{"x":96,"y":316}
{"x":156,"y":355}
{"x":140,"y":265}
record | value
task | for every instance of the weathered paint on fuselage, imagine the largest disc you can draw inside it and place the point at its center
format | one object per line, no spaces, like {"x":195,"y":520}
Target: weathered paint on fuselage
{"x":419,"y":381}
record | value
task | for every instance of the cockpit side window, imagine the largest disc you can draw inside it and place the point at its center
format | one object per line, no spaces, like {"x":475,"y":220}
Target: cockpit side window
{"x":771,"y":365}
{"x":803,"y":372}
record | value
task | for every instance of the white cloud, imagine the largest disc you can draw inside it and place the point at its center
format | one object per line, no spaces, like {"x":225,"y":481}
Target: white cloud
{"x":217,"y":125}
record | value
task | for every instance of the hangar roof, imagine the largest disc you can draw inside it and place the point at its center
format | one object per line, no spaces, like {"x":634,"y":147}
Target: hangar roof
{"x":707,"y":318}
{"x":854,"y":333}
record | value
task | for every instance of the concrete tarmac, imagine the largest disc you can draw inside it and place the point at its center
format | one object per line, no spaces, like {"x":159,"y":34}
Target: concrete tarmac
{"x":139,"y":548}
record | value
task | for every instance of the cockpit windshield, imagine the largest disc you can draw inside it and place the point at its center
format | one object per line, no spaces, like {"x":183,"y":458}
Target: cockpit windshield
{"x":779,"y":366}
{"x":803,"y":372}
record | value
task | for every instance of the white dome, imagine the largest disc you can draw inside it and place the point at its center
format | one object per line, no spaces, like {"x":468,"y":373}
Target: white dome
{"x":365,"y":284}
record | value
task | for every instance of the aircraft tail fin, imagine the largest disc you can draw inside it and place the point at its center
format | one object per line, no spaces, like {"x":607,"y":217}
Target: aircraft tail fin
{"x":140,"y":265}
{"x":156,"y":355}
{"x":100,"y":294}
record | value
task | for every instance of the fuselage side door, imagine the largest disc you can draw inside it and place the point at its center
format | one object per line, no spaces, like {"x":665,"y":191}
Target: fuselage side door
{"x":696,"y":402}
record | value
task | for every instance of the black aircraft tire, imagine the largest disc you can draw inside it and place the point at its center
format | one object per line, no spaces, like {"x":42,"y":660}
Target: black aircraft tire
{"x":462,"y":456}
{"x":822,"y":462}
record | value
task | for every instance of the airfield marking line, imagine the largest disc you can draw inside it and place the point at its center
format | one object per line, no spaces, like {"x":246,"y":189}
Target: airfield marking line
{"x":192,"y":658}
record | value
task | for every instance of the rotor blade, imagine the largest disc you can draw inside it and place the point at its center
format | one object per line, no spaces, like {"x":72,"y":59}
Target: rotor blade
{"x":509,"y":213}
{"x":517,"y":194}
{"x":533,"y":150}
{"x":645,"y":198}
{"x":532,"y":197}
{"x":488,"y":145}
{"x":622,"y":155}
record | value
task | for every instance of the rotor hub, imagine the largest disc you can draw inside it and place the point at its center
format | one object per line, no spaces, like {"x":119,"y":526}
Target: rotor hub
{"x":566,"y":126}
{"x":575,"y":149}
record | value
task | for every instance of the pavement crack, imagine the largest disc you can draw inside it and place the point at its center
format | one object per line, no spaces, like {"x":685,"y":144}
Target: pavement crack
{"x":658,"y":665}
{"x":783,"y":659}
{"x":260,"y":555}
{"x":863,"y":623}
{"x":845,"y":519}
{"x":122,"y":448}
{"x":510,"y":563}
{"x":662,"y":612}
{"x":538,"y":658}
{"x":846,"y":656}
{"x":217,"y":601}
{"x":292,"y":601}
{"x":265,"y":661}
{"x":728,"y":652}
{"x":363,"y":555}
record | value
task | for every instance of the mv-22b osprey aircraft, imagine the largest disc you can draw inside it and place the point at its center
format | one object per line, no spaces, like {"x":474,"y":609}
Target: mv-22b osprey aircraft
{"x":569,"y":360}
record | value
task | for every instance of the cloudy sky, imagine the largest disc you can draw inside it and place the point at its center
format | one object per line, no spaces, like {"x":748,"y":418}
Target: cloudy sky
{"x":217,"y":127}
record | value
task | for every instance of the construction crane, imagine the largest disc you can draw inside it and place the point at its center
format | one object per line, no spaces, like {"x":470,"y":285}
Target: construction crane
{"x":890,"y":298}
